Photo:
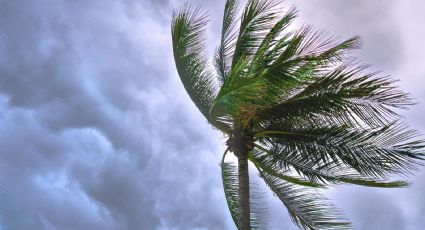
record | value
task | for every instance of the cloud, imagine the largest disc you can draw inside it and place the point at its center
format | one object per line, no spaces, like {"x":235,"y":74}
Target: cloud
{"x":374,"y":21}
{"x":97,"y":131}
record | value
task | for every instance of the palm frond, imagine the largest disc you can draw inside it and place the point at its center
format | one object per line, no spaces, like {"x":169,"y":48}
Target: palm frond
{"x":306,"y":207}
{"x":345,"y":95}
{"x":319,"y":174}
{"x":297,"y":59}
{"x":298,"y":73}
{"x":376,"y":153}
{"x":258,"y":17}
{"x":259,"y":212}
{"x":260,"y":163}
{"x":308,"y":45}
{"x":224,"y":54}
{"x":229,"y":174}
{"x":230,"y":184}
{"x":262,"y":57}
{"x":188,"y":35}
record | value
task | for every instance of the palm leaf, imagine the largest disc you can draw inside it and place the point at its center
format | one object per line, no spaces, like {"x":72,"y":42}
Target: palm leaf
{"x":377,"y":153}
{"x":257,"y":19}
{"x":345,"y":95}
{"x":262,"y":57}
{"x":320,"y":175}
{"x":188,"y":34}
{"x":307,"y":208}
{"x":223,"y":57}
{"x":230,"y":184}
{"x":279,"y":173}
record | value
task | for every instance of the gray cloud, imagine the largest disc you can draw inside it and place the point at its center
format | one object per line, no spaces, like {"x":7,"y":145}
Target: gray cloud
{"x":96,"y":129}
{"x":98,"y":133}
{"x":374,"y":21}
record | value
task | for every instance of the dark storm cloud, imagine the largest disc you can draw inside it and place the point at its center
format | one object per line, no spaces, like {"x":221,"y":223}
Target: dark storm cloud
{"x":96,"y":132}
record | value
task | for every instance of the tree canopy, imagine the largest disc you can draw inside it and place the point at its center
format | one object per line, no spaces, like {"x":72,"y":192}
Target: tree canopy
{"x":307,"y":114}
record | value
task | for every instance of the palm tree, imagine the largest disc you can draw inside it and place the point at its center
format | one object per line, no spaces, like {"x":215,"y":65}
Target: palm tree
{"x":297,"y":106}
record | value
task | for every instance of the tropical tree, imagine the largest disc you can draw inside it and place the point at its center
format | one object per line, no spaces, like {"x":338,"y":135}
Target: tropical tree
{"x":295,"y":104}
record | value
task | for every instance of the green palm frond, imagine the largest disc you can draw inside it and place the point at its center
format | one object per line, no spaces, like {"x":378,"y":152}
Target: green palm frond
{"x":224,"y":54}
{"x":317,"y":174}
{"x":377,"y":153}
{"x":229,"y":175}
{"x":258,"y":17}
{"x":262,"y":57}
{"x":188,"y":34}
{"x":309,"y":45}
{"x":293,"y":69}
{"x":306,"y":207}
{"x":271,"y":169}
{"x":345,"y":95}
{"x":299,"y":56}
{"x":230,"y":184}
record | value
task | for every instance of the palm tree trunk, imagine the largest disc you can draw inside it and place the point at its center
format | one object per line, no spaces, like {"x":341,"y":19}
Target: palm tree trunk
{"x":243,"y":193}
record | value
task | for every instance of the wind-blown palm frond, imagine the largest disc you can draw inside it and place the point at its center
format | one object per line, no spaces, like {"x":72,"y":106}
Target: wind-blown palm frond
{"x":230,"y":185}
{"x":224,"y":54}
{"x":258,"y":17}
{"x":296,"y":58}
{"x":265,"y":165}
{"x":259,"y":210}
{"x":377,"y":153}
{"x":319,"y":175}
{"x":229,"y":175}
{"x":307,"y":208}
{"x":262,"y":57}
{"x":188,"y":34}
{"x":344,"y":95}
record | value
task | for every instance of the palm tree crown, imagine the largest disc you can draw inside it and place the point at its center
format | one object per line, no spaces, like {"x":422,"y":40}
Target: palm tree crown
{"x":297,"y":106}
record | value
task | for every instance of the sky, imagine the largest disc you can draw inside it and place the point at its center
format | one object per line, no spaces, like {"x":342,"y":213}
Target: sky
{"x":97,"y":132}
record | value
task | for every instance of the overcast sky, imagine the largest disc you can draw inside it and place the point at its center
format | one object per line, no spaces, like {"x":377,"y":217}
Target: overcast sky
{"x":97,"y":132}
